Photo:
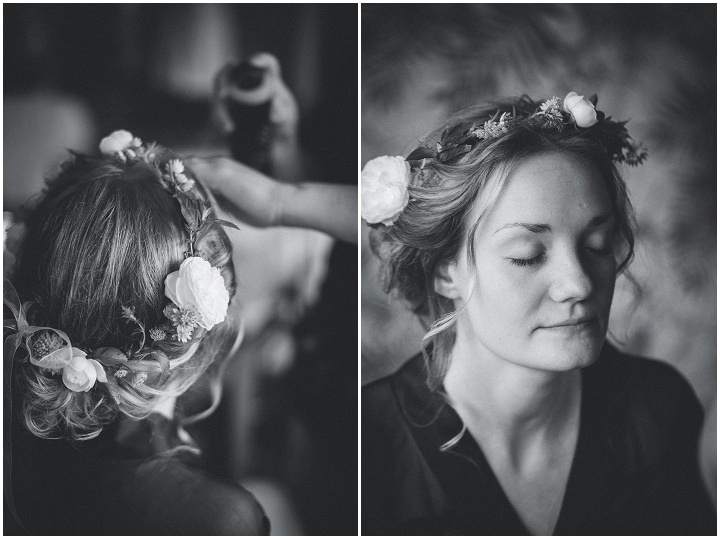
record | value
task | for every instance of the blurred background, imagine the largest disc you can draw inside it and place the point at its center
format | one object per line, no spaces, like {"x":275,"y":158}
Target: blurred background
{"x":287,"y":424}
{"x":652,"y":64}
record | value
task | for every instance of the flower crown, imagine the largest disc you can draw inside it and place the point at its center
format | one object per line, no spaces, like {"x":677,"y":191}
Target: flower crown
{"x":197,"y":297}
{"x":385,"y":180}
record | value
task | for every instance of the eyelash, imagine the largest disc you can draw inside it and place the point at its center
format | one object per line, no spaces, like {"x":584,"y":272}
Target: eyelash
{"x":525,"y":262}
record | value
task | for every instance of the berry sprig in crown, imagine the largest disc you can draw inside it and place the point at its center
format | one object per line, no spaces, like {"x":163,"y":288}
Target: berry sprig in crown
{"x":385,"y":180}
{"x":196,"y":292}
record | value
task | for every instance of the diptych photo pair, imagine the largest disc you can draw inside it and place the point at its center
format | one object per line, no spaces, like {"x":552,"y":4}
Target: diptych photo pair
{"x":359,"y":269}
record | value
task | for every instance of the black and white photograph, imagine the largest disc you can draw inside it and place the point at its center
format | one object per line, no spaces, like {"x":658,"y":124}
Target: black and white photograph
{"x":180,"y":269}
{"x":538,"y":254}
{"x":360,"y":269}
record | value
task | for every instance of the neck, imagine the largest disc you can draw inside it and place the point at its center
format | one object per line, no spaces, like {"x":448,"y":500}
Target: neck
{"x":509,"y":400}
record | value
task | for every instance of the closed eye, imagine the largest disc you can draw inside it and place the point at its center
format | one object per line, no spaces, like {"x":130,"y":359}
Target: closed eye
{"x":524,"y":262}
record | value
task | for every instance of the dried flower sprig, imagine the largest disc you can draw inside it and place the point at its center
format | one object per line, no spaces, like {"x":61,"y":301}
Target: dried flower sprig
{"x":493,"y":128}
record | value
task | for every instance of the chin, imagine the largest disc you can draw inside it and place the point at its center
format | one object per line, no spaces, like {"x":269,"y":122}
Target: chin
{"x":568,"y":354}
{"x":568,"y":348}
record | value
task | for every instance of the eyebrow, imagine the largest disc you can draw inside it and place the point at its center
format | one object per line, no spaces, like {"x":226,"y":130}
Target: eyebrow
{"x":539,"y":228}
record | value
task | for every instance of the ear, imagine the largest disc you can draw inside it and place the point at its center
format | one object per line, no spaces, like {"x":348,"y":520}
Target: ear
{"x":447,"y":282}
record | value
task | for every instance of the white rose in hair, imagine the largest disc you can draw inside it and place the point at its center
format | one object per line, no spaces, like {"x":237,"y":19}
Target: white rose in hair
{"x":200,"y":287}
{"x":81,"y":373}
{"x":581,"y":109}
{"x":115,"y":142}
{"x":383,"y":183}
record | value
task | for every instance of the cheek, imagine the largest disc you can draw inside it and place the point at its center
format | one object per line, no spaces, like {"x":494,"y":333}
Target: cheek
{"x":504,"y":295}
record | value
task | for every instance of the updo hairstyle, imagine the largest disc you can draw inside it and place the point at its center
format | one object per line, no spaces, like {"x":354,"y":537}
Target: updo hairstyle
{"x":101,"y":237}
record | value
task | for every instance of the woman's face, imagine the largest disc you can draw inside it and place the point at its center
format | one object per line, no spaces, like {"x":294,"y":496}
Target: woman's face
{"x":539,"y":291}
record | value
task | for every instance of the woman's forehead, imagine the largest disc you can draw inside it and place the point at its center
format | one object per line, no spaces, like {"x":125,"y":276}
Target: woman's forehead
{"x":551,"y":189}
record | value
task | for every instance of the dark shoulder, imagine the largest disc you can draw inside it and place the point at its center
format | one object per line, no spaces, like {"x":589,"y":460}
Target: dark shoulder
{"x":382,"y":418}
{"x":650,"y":410}
{"x":174,"y":498}
{"x":387,"y":406}
{"x":381,"y":392}
{"x":655,"y":381}
{"x":376,"y":393}
{"x":118,"y":493}
{"x":398,"y":484}
{"x":391,"y":403}
{"x":650,"y":420}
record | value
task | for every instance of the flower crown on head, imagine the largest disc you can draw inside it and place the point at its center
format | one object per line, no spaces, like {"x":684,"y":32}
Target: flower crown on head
{"x":385,"y":180}
{"x":196,"y":292}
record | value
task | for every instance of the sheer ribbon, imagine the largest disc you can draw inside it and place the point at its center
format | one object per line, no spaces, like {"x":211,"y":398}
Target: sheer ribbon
{"x":19,"y":335}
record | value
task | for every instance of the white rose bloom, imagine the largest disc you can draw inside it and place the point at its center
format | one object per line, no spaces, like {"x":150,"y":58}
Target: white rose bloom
{"x":384,"y":182}
{"x":581,"y":109}
{"x":115,"y":142}
{"x":81,"y":373}
{"x":199,"y":286}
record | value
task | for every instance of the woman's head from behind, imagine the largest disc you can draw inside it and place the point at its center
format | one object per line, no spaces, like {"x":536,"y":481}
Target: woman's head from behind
{"x":516,"y":226}
{"x":100,"y":242}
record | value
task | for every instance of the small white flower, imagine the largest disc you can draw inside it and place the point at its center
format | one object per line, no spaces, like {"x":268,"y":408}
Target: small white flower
{"x":199,"y":287}
{"x":551,"y":106}
{"x":117,"y":142}
{"x":176,"y":174}
{"x":184,"y":333}
{"x":183,"y":182}
{"x":581,"y":109}
{"x":176,"y":166}
{"x":551,"y":113}
{"x":384,"y":189}
{"x":82,"y":372}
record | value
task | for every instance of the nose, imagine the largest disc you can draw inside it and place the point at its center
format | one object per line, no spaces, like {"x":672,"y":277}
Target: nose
{"x":570,"y":280}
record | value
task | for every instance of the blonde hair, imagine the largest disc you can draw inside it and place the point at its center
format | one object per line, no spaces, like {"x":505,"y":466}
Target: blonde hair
{"x":102,"y":237}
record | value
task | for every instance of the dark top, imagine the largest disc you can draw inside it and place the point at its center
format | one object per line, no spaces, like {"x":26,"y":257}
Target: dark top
{"x":119,"y":484}
{"x":635,"y":469}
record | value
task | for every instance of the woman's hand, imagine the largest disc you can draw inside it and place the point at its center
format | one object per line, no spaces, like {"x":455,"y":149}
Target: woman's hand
{"x":279,"y":152}
{"x":259,"y":200}
{"x":248,"y":194}
{"x":284,"y":111}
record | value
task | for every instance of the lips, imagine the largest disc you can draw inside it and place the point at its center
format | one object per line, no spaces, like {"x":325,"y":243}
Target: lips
{"x":570,"y":323}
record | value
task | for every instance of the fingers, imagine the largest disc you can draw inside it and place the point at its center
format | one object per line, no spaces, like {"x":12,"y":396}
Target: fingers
{"x":221,"y":168}
{"x":283,"y":111}
{"x":220,"y":115}
{"x":210,"y":170}
{"x":267,"y":61}
{"x":222,"y":80}
{"x":193,"y":163}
